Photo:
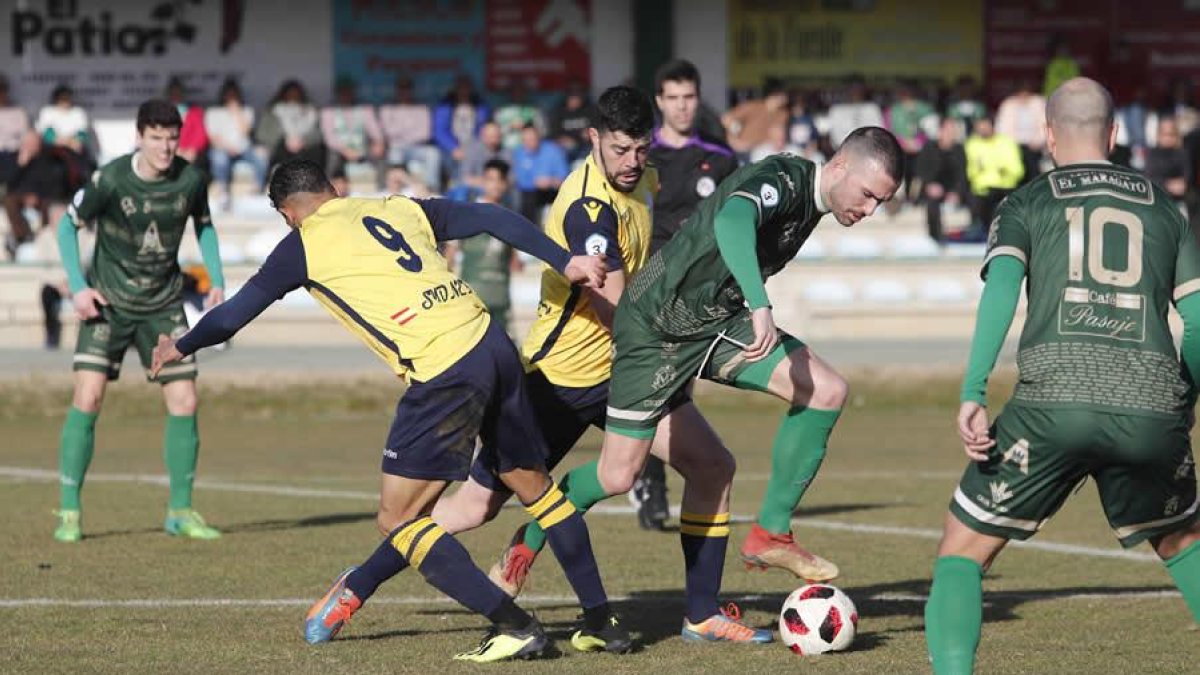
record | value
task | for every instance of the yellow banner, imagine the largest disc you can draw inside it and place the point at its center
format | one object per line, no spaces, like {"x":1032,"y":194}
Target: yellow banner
{"x":822,"y":39}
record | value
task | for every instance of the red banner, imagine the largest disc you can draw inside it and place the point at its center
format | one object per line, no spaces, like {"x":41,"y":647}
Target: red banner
{"x":543,"y":42}
{"x":1128,"y":46}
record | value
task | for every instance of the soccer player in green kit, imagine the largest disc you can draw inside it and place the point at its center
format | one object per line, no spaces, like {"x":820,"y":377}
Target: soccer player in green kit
{"x":699,"y":309}
{"x":140,"y":205}
{"x":486,"y":263}
{"x":1101,"y":391}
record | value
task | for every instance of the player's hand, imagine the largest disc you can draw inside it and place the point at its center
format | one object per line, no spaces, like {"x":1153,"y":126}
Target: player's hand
{"x":164,"y":353}
{"x":588,"y":270}
{"x":973,"y":430}
{"x":85,"y":302}
{"x":766,"y":336}
{"x":215,"y":297}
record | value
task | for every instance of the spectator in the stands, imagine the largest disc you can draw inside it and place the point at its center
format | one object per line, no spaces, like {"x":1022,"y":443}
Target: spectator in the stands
{"x":941,"y":175}
{"x":1022,"y":117}
{"x":994,"y":168}
{"x":517,"y":113}
{"x":857,"y":110}
{"x":52,"y":164}
{"x":407,"y":126}
{"x":748,"y":124}
{"x":457,"y":119}
{"x":351,"y":132}
{"x":570,"y":120}
{"x":479,"y":151}
{"x":539,"y":168}
{"x":906,"y":118}
{"x":229,"y":125}
{"x":193,"y":137}
{"x":291,"y":126}
{"x":1167,"y":162}
{"x":965,"y":105}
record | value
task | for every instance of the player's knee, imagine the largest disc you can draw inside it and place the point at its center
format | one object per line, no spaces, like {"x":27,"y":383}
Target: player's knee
{"x":1170,"y":545}
{"x":618,"y":479}
{"x":388,"y":520}
{"x":830,"y":392}
{"x":707,"y":468}
{"x":87,"y":400}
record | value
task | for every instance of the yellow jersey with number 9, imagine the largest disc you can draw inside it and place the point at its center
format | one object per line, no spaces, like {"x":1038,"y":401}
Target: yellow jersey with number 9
{"x":374,"y":264}
{"x":567,"y":342}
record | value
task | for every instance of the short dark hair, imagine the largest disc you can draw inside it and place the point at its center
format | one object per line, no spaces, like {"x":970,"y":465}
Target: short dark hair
{"x":624,"y":109}
{"x":158,"y":112}
{"x":878,"y":144}
{"x":496,"y":165}
{"x":297,"y":175}
{"x":678,"y":70}
{"x":61,"y":90}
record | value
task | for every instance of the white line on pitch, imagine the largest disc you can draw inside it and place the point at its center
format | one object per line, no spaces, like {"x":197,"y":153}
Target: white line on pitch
{"x":602,"y":509}
{"x":528,"y":601}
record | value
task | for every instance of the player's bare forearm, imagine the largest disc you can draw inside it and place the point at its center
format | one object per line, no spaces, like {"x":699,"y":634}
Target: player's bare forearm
{"x":604,"y":300}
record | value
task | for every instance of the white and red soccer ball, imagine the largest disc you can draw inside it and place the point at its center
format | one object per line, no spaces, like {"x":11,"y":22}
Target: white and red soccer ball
{"x":818,"y":618}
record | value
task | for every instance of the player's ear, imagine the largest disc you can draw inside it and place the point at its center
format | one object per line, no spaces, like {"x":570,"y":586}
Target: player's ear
{"x":594,"y":137}
{"x":1112,"y":136}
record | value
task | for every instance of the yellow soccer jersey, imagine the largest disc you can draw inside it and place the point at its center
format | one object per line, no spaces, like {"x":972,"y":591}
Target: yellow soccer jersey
{"x":373,"y":263}
{"x":567,"y":342}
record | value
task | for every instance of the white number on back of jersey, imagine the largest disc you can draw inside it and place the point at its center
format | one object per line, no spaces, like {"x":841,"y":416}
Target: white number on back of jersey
{"x":1100,"y":217}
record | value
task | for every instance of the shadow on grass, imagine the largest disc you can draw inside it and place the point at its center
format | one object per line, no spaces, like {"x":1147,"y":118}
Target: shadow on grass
{"x":300,"y":523}
{"x":835,"y":509}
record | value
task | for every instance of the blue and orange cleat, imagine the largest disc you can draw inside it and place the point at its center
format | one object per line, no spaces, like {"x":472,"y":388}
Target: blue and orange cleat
{"x":725,"y":627}
{"x":333,"y":611}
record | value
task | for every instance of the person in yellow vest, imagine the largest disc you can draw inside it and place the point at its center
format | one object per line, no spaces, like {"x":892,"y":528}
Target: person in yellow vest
{"x":374,"y":265}
{"x":994,"y":168}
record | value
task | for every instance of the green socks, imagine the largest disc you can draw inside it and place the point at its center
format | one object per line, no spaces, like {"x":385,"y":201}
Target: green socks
{"x":1185,"y":570}
{"x":954,"y":615}
{"x":181,"y":445}
{"x":74,"y":455}
{"x":796,"y":456}
{"x":582,"y":487}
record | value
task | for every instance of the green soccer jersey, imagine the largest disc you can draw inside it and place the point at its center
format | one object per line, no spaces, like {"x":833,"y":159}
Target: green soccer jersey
{"x":687,"y":287}
{"x":1106,"y":252}
{"x":139,"y":225}
{"x":486,"y":269}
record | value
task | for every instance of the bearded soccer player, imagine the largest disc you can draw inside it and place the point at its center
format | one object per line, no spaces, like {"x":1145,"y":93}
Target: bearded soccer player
{"x":140,"y":204}
{"x":374,"y":264}
{"x":604,"y":208}
{"x":690,"y":167}
{"x":1101,"y":391}
{"x":700,"y":308}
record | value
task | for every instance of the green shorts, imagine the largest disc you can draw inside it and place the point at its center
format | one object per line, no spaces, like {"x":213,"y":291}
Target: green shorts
{"x":102,"y":342}
{"x":651,"y":371}
{"x":1142,"y":466}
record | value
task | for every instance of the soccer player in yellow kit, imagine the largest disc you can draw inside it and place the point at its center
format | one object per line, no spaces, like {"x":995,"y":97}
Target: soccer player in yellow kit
{"x":374,"y":265}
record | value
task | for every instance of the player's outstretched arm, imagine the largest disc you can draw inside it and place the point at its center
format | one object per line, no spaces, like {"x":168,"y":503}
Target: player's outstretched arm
{"x":84,"y":298}
{"x":283,"y":271}
{"x":460,"y":220}
{"x":735,"y":228}
{"x":1189,"y":347}
{"x":210,"y":252}
{"x":997,"y":307}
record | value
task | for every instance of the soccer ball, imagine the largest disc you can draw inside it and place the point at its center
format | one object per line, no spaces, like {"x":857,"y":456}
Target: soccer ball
{"x":818,"y":618}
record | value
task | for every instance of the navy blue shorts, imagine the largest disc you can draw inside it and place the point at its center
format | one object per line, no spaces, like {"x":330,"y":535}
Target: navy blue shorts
{"x":482,"y":396}
{"x":563,"y":413}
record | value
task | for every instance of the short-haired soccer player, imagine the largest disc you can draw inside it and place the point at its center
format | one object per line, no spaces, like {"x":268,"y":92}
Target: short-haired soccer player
{"x":373,"y":263}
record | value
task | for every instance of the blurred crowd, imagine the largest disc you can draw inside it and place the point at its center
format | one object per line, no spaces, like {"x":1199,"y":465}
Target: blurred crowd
{"x":964,"y":156}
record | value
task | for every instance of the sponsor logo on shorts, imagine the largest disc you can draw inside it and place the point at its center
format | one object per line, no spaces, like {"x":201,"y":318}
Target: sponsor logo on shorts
{"x":663,"y":376}
{"x":1018,"y":454}
{"x":1186,"y":468}
{"x":102,"y":332}
{"x":391,"y":454}
{"x":787,"y":180}
{"x":1000,"y":492}
{"x":670,"y":348}
{"x":1172,"y":506}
